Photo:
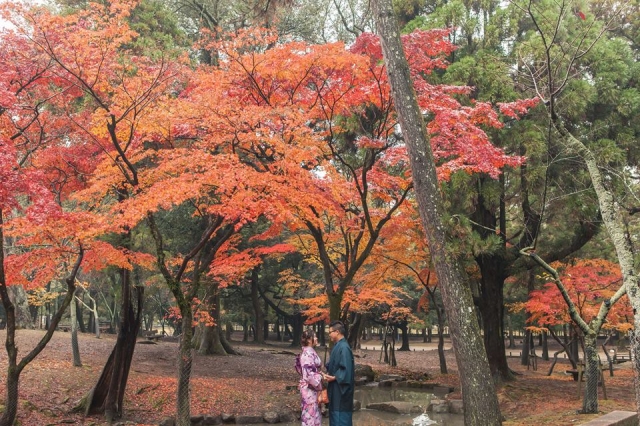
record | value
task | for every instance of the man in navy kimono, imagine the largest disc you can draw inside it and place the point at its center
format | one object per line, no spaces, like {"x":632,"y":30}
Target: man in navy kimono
{"x":340,"y":377}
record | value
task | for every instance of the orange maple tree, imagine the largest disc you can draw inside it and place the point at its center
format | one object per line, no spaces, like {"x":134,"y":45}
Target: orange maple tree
{"x":587,"y":293}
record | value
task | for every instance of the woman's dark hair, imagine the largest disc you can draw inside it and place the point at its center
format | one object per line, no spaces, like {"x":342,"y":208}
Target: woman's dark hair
{"x":307,"y":337}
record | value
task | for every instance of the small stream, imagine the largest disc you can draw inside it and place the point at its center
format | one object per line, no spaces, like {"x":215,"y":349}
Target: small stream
{"x":373,"y":393}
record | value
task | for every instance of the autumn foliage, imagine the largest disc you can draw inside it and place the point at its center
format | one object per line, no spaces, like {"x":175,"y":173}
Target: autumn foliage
{"x":589,"y":283}
{"x":97,"y":137}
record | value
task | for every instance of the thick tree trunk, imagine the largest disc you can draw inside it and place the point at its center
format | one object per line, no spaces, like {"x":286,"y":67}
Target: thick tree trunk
{"x":493,"y":274}
{"x":19,"y":298}
{"x":478,"y":389}
{"x":356,"y":326}
{"x":335,"y":306}
{"x":491,"y":304}
{"x":405,"y":337}
{"x":592,"y":375}
{"x":211,"y":335}
{"x":185,"y":363}
{"x":108,"y":394}
{"x":297,"y":323}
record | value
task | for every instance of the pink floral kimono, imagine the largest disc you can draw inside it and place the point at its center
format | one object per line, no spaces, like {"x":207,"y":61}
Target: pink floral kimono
{"x":308,"y":366}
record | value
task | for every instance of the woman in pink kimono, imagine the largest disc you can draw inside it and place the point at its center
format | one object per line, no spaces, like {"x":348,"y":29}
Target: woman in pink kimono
{"x":308,"y":366}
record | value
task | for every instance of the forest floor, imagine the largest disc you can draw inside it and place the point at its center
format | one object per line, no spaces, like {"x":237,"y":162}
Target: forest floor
{"x":263,"y":379}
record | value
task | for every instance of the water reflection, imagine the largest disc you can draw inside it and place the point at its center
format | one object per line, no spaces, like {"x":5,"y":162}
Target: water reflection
{"x":372,"y":394}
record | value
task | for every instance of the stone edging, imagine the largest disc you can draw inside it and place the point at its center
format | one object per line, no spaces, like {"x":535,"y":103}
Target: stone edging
{"x":270,"y":417}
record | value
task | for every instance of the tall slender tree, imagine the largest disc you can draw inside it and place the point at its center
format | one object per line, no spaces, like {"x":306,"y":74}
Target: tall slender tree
{"x":479,"y":394}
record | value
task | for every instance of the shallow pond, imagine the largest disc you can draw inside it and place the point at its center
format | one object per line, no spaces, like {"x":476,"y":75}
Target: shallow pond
{"x":371,"y":394}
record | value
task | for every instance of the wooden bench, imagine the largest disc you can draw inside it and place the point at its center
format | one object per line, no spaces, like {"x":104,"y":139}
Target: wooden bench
{"x":151,"y":335}
{"x":580,"y":373}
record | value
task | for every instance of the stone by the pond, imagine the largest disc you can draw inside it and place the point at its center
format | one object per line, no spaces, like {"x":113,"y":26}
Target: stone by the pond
{"x":363,"y":370}
{"x":248,"y":420}
{"x":397,"y":407}
{"x":357,"y":405}
{"x":288,"y":417}
{"x":359,"y":381}
{"x":169,"y":421}
{"x":438,"y":406}
{"x":455,"y":406}
{"x":228,"y":418}
{"x":271,"y":417}
{"x":393,"y":377}
{"x":212,"y":420}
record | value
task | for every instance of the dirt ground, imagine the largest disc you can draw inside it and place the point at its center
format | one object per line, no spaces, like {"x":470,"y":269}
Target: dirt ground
{"x":263,"y":378}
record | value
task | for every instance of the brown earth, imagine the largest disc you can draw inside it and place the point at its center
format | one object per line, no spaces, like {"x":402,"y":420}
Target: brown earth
{"x":264,"y":379}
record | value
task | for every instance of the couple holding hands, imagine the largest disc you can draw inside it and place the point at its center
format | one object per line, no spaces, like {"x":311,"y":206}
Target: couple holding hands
{"x":339,"y":378}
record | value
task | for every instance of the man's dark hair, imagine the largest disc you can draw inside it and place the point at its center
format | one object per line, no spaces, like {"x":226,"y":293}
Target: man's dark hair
{"x":338,"y":326}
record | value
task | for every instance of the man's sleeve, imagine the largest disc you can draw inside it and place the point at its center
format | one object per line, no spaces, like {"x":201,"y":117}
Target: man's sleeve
{"x":343,"y":373}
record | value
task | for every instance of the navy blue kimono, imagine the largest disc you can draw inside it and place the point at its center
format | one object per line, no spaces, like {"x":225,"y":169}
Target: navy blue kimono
{"x":341,"y":366}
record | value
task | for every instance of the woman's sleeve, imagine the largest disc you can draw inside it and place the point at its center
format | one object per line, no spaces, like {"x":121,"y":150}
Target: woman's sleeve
{"x":309,"y":375}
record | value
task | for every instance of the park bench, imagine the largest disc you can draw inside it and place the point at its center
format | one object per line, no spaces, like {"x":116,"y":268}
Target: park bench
{"x":151,"y":335}
{"x":579,"y":373}
{"x":66,"y":327}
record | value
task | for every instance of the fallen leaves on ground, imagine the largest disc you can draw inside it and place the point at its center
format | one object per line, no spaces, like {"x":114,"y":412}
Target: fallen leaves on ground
{"x":264,"y":379}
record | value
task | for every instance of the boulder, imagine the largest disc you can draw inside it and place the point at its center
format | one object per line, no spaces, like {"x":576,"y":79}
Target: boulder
{"x":271,"y":417}
{"x":212,"y":420}
{"x":455,"y":406}
{"x":357,"y":405}
{"x":392,"y":377}
{"x":248,"y":420}
{"x":396,"y":407}
{"x":287,"y":417}
{"x":363,"y":370}
{"x":169,"y":421}
{"x":228,"y":418}
{"x":438,"y":406}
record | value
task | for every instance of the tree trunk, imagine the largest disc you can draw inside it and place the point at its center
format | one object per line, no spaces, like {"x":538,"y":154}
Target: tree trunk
{"x":185,"y":362}
{"x":107,"y":395}
{"x":335,"y":306}
{"x":492,"y":276}
{"x":592,"y":375}
{"x":297,"y":323}
{"x":526,"y":347}
{"x":19,"y":298}
{"x":79,"y":315}
{"x":211,"y":336}
{"x":77,"y":362}
{"x":441,"y":357}
{"x":405,"y":337}
{"x":491,"y":306}
{"x":545,"y":346}
{"x":357,"y":326}
{"x":478,"y":389}
{"x":512,"y":341}
{"x":258,"y":315}
{"x":526,"y":342}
